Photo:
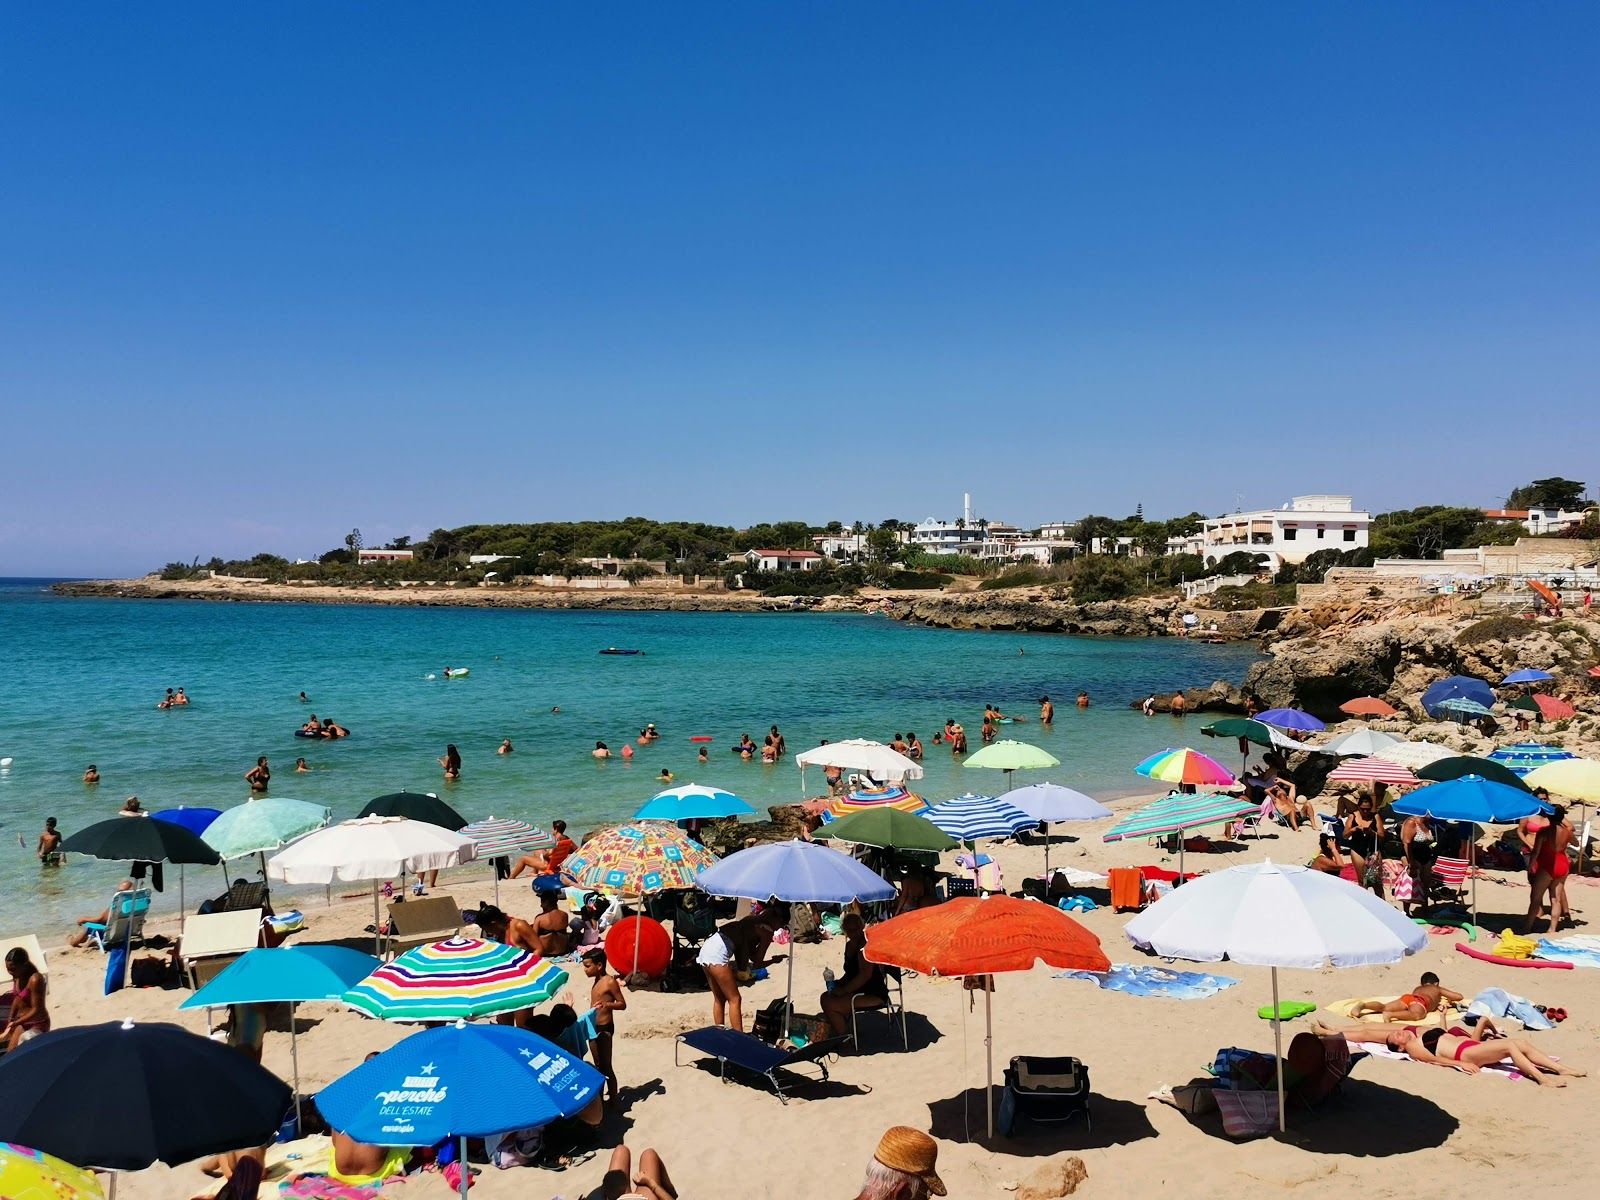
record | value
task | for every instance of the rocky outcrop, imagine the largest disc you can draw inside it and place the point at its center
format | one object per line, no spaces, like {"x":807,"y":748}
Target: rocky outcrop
{"x":1044,"y":610}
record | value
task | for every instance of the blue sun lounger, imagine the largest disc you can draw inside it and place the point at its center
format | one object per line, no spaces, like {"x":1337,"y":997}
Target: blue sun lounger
{"x":753,"y":1055}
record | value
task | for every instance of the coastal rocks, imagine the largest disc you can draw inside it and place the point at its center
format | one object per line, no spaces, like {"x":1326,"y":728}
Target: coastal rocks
{"x":1221,"y":696}
{"x":1043,"y":610}
{"x":1054,"y":1178}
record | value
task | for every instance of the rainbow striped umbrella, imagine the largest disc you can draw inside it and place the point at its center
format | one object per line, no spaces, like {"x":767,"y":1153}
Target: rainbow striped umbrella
{"x":460,"y":979}
{"x":1178,"y":812}
{"x":872,"y":799}
{"x":1186,"y":766}
{"x":638,"y":860}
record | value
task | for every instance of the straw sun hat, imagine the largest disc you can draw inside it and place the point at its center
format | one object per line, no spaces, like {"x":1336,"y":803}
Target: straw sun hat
{"x":913,"y":1152}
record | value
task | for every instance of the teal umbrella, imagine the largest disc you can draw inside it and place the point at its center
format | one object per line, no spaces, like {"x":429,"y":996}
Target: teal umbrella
{"x":1245,"y":730}
{"x":1178,"y":812}
{"x":261,"y":825}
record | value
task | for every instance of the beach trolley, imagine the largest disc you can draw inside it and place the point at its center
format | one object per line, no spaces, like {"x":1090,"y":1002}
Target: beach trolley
{"x":1044,"y":1090}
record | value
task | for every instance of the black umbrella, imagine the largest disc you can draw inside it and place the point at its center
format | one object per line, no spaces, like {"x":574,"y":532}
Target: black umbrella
{"x":1446,"y":769}
{"x":140,"y":839}
{"x":416,"y":806}
{"x":122,"y":1096}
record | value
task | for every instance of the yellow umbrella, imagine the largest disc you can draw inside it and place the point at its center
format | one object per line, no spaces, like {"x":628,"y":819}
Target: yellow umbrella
{"x":28,"y":1175}
{"x":1577,"y":778}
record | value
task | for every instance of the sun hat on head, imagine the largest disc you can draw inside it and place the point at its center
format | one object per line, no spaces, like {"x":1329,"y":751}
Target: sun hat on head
{"x":913,"y":1152}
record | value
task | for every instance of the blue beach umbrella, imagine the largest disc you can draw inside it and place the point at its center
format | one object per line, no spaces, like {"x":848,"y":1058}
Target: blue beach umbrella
{"x":692,"y":802}
{"x":459,"y":1081}
{"x":1527,"y":756}
{"x":1291,"y":718}
{"x":971,"y":817}
{"x":195,"y":820}
{"x":1457,"y":687}
{"x":1047,"y":802}
{"x":1527,"y":675}
{"x":1471,"y":798}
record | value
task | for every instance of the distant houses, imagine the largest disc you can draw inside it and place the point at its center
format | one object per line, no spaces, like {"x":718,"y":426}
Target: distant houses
{"x":783,"y":560}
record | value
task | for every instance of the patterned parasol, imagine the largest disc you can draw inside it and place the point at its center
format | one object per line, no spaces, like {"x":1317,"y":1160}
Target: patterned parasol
{"x":870,"y":799}
{"x":28,"y":1175}
{"x":499,"y":837}
{"x":638,"y":860}
{"x":459,"y":979}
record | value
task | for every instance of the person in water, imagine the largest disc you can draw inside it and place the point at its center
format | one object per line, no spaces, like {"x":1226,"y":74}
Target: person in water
{"x":330,"y":730}
{"x":778,"y":744}
{"x":1047,"y":711}
{"x":300,"y":767}
{"x":180,"y":699}
{"x":304,"y":699}
{"x":92,"y":775}
{"x":259,"y":775}
{"x":131,"y":808}
{"x":50,"y":844}
{"x":451,"y":762}
{"x":506,"y":747}
{"x":1083,"y":699}
{"x":600,"y":751}
{"x":169,"y":701}
{"x":913,"y":747}
{"x":703,"y":756}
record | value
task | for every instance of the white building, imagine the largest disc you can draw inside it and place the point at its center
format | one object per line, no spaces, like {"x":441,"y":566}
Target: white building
{"x":842,"y":547}
{"x":376,"y":556}
{"x":1289,"y":534}
{"x":1539,"y":521}
{"x":486,"y":559}
{"x":783,"y":560}
{"x":1058,"y":530}
{"x":1042,"y":550}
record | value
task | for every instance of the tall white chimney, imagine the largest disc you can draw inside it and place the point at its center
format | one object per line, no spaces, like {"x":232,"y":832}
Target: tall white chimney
{"x":966,"y":507}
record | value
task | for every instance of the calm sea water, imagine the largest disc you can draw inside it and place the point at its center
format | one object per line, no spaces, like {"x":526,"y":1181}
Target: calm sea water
{"x":88,"y":674}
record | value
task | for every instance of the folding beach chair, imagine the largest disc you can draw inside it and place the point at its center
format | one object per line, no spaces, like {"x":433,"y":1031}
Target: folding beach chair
{"x":693,"y":921}
{"x":1045,"y":1090}
{"x":1450,"y":875}
{"x":126,"y":922}
{"x":753,"y":1055}
{"x":893,"y":1008}
{"x":213,"y":941}
{"x":417,"y":922}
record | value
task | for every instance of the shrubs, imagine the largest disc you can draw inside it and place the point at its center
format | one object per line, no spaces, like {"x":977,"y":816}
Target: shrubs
{"x":1494,"y":629}
{"x":1252,"y":595}
{"x":1016,"y":577}
{"x":1102,"y":577}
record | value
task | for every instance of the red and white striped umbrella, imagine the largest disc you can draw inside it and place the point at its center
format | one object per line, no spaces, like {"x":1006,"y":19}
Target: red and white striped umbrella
{"x":1373,"y":770}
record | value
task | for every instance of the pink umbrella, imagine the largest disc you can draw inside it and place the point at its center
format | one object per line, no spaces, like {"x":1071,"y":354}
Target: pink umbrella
{"x":1551,"y":708}
{"x":1373,"y":770}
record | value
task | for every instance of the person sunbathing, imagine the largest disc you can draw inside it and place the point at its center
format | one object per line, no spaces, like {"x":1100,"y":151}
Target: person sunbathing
{"x":1427,"y":997}
{"x":1458,"y":1048}
{"x":651,"y":1183}
{"x":1289,"y":806}
{"x":81,"y":935}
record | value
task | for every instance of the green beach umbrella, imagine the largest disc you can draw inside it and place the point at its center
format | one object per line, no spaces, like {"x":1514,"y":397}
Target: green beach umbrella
{"x":261,"y":825}
{"x":1447,"y":769}
{"x":888,"y":829}
{"x":1525,"y":703}
{"x":1244,"y":729}
{"x":1009,"y":755}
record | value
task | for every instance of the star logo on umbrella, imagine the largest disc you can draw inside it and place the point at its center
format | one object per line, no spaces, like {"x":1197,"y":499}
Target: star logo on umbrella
{"x":428,"y":1068}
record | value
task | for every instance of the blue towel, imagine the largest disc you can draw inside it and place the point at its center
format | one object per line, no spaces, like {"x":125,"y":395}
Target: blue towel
{"x":1578,"y":956}
{"x":1496,"y":1002}
{"x":577,"y":1036}
{"x":1155,"y":981}
{"x":116,"y":957}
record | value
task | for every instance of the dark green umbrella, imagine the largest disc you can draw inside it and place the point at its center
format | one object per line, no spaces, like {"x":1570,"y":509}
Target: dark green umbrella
{"x":416,"y":806}
{"x":1240,"y":727}
{"x":888,"y":829}
{"x":140,"y":839}
{"x":1446,"y":769}
{"x":1526,"y":703}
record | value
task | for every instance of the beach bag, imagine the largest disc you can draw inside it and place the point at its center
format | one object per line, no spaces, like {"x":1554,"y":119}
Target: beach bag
{"x":1248,"y":1114}
{"x":1222,"y":1066}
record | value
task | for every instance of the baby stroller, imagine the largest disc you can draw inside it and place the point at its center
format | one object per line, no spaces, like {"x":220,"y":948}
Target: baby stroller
{"x":1044,"y":1090}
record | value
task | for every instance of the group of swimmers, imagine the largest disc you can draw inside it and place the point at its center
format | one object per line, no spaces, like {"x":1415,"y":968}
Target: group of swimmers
{"x":174,"y":699}
{"x":326,"y":728}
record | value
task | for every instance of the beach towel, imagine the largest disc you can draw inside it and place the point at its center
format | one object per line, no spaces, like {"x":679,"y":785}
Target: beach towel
{"x":1568,"y":950}
{"x":577,"y":1036}
{"x":1076,"y":878}
{"x":311,"y":1155}
{"x":1154,"y":981}
{"x":1345,"y":1010}
{"x":320,"y":1187}
{"x":1501,"y":1004}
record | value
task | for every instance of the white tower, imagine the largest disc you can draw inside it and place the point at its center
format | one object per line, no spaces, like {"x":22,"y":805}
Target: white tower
{"x":966,"y":507}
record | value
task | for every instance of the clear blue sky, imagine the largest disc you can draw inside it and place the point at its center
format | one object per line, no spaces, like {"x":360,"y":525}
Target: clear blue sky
{"x":268,"y":272}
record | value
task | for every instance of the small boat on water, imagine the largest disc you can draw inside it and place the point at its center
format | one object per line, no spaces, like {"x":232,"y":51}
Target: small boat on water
{"x":614,"y":650}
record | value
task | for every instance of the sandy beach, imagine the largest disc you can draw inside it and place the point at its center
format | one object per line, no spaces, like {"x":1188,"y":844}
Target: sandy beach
{"x":1399,"y":1128}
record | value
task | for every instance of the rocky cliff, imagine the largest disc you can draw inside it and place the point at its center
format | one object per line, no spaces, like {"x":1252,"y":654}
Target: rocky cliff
{"x":1050,"y":610}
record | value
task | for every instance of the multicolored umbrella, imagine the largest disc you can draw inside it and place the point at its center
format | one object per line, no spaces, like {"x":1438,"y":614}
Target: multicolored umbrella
{"x":500,"y":837}
{"x":870,"y":799}
{"x":1373,"y":770}
{"x":1527,"y":756}
{"x":29,"y":1175}
{"x":1368,"y":706}
{"x":638,"y":860}
{"x":460,"y":979}
{"x":1186,"y":766}
{"x":1178,"y":812}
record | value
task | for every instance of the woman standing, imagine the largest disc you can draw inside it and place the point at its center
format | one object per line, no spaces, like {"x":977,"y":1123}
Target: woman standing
{"x":28,"y":1015}
{"x":259,"y":775}
{"x":732,"y":955}
{"x":1361,"y":833}
{"x":1416,"y":835}
{"x":1548,"y":865}
{"x":451,"y":762}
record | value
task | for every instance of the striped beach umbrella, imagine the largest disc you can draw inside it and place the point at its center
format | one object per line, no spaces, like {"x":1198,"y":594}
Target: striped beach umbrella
{"x":1177,"y":812}
{"x":1186,"y":766}
{"x":1373,"y":770}
{"x":1414,"y":754}
{"x":460,"y":979}
{"x":871,"y":799}
{"x":1526,"y":756}
{"x":971,"y":818}
{"x":499,"y":837}
{"x":638,"y":860}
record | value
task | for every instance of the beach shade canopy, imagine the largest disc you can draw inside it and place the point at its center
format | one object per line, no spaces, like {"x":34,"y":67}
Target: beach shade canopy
{"x":415,"y":806}
{"x":1240,"y":727}
{"x":195,"y":820}
{"x":1177,"y":812}
{"x":1052,"y":802}
{"x":971,"y":817}
{"x":1466,"y":764}
{"x":1524,"y":704}
{"x":1009,"y":755}
{"x":1275,"y":915}
{"x":859,"y":754}
{"x":1457,"y":687}
{"x":1358,"y":741}
{"x":797,"y":872}
{"x":139,"y":839}
{"x":871,"y":799}
{"x":1595,"y":671}
{"x":1471,"y":798}
{"x":1368,"y":706}
{"x":1527,"y":675}
{"x":1414,"y":755}
{"x":692,"y":802}
{"x":1575,"y":778}
{"x":1460,"y":706}
{"x":1186,"y":766}
{"x":638,"y":860}
{"x":1291,"y":718}
{"x":989,"y":936}
{"x":369,"y":848}
{"x":285,"y":975}
{"x":122,"y":1096}
{"x":888,"y":829}
{"x":1373,"y":770}
{"x":1527,"y":756}
{"x":459,"y":979}
{"x":1553,"y":708}
{"x":261,"y":825}
{"x":501,"y":837}
{"x":29,"y":1175}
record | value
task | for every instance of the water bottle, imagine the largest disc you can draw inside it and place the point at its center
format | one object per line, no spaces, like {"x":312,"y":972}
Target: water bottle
{"x":828,"y":978}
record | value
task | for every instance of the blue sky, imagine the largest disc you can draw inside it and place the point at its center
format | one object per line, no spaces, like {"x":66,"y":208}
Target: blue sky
{"x":271,"y":272}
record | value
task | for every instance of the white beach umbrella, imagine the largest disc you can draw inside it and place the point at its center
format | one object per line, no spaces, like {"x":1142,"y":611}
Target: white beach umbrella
{"x":1276,"y":915}
{"x":1415,"y":755}
{"x":1358,"y":741}
{"x":859,"y":754}
{"x":370,"y":848}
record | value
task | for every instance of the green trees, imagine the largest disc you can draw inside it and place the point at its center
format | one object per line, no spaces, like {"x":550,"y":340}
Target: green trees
{"x":1554,"y":492}
{"x":1425,"y":532}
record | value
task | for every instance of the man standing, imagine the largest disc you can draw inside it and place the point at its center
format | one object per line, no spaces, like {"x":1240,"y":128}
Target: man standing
{"x":50,"y":844}
{"x":1047,"y":711}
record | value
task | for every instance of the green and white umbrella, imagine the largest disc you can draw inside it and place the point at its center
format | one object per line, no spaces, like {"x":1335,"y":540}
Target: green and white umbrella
{"x":502,"y":837}
{"x":258,"y":826}
{"x":1179,"y":812}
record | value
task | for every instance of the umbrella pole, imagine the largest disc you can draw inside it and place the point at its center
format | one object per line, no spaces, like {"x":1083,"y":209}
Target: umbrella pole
{"x":183,"y":907}
{"x":1047,"y":860}
{"x":294,"y":1055}
{"x":377,"y":926}
{"x":1277,"y":1041}
{"x":788,"y":1000}
{"x":465,"y":1181}
{"x":988,"y":1049}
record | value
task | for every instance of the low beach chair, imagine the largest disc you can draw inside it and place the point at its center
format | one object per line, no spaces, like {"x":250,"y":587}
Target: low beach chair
{"x":420,"y":921}
{"x":753,"y":1055}
{"x":1045,"y":1090}
{"x":126,"y":923}
{"x":213,"y":941}
{"x":894,"y":1008}
{"x":1450,"y":875}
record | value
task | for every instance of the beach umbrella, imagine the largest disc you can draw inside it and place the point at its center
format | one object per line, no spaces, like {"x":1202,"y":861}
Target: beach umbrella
{"x":1595,"y":671}
{"x":1472,"y":799}
{"x":415,"y":806}
{"x":1527,"y":756}
{"x":1373,"y":770}
{"x":462,"y":978}
{"x":1049,"y":802}
{"x":795,"y":872}
{"x":988,"y":936}
{"x":1527,"y":675}
{"x":370,"y":848}
{"x":121,"y":1096}
{"x":692,"y":802}
{"x":1523,"y":704}
{"x":859,"y":754}
{"x":1275,"y":915}
{"x":1577,"y":778}
{"x":1460,"y":706}
{"x":1358,"y":741}
{"x":459,"y":1081}
{"x":27,"y":1174}
{"x":1291,"y":718}
{"x":1246,"y":731}
{"x":1457,"y":687}
{"x":1467,"y":764}
{"x":1414,"y":755}
{"x":972,"y":818}
{"x":501,"y":837}
{"x":285,"y":975}
{"x":1186,"y":766}
{"x":872,"y":799}
{"x":1553,"y":708}
{"x":638,"y":860}
{"x":1368,"y":706}
{"x":1178,"y":812}
{"x":261,"y":825}
{"x":1009,"y":755}
{"x":888,"y":829}
{"x":196,"y":821}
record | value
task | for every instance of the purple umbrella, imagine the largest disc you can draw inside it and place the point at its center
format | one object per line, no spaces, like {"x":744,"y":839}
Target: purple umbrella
{"x":1290,"y":718}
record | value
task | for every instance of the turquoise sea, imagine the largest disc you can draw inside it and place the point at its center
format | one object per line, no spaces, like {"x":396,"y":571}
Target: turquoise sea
{"x":88,"y":674}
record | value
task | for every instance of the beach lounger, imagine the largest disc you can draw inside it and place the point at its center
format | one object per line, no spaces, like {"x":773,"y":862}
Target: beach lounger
{"x":126,"y":924}
{"x":1046,"y":1090}
{"x":213,"y":941}
{"x":753,"y":1055}
{"x":420,"y":921}
{"x":1127,"y":888}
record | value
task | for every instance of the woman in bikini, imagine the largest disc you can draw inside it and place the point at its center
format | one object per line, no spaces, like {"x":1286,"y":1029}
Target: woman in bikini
{"x":28,"y":1015}
{"x":738,"y":949}
{"x":1548,"y":865}
{"x":259,"y":776}
{"x":1459,"y":1048}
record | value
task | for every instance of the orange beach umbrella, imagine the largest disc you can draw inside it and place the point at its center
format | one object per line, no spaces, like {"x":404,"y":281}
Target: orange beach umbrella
{"x":1368,"y":706}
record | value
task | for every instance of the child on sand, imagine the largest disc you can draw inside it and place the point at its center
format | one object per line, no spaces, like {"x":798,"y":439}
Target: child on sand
{"x":605,"y":997}
{"x":1427,"y":997}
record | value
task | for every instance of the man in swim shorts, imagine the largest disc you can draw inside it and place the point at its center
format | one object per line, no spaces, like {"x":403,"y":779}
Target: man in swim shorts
{"x":1427,"y":997}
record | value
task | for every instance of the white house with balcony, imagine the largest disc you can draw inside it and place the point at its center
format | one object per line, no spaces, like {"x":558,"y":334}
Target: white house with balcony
{"x":948,"y":537}
{"x":1042,"y":550}
{"x":383,"y":554}
{"x":1290,"y":534}
{"x":783,"y":560}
